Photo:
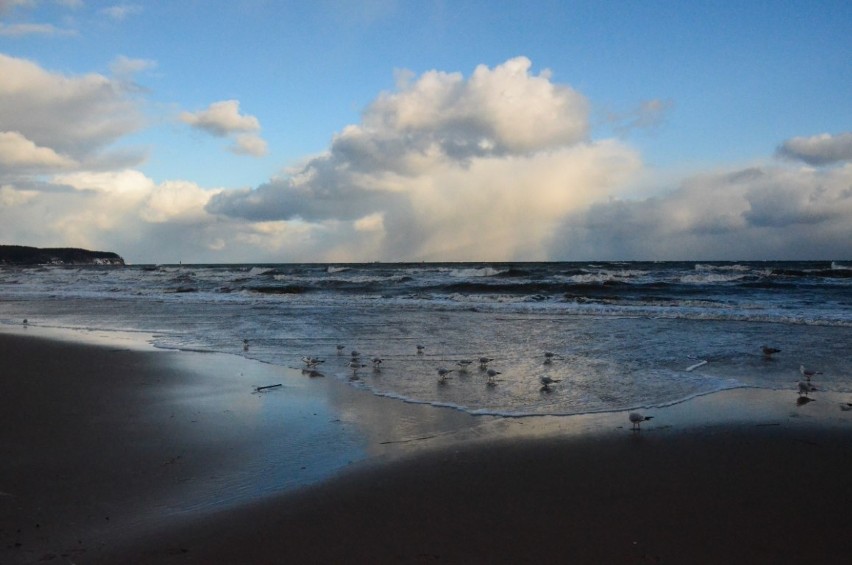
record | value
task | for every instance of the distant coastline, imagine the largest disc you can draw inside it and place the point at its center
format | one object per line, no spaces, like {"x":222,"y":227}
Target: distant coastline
{"x":23,"y":255}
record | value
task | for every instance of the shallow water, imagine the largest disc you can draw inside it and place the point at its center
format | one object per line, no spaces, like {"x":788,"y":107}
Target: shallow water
{"x":624,"y":335}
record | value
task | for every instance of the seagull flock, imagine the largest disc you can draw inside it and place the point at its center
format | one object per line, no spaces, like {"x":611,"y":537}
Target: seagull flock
{"x":311,"y":367}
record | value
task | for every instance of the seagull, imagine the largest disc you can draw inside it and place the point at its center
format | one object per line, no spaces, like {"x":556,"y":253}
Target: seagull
{"x":377,"y":364}
{"x":26,"y":323}
{"x":420,"y":349}
{"x":808,"y":373}
{"x":245,"y":345}
{"x":546,"y":382}
{"x":355,"y":365}
{"x":484,"y":361}
{"x":769,"y":351}
{"x":805,"y":388}
{"x":340,"y":348}
{"x":355,"y":354}
{"x":549,"y":356}
{"x":636,"y":419}
{"x":312,"y":362}
{"x":463,"y":365}
{"x":491,"y":375}
{"x":443,"y":374}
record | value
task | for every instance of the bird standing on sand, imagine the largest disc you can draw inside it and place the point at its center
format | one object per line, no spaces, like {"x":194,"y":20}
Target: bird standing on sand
{"x":377,"y":363}
{"x":245,"y":345}
{"x":492,"y":374}
{"x":340,"y":348}
{"x":483,"y":362}
{"x":546,"y":382}
{"x":443,"y":374}
{"x":805,"y":388}
{"x":463,"y":365}
{"x":808,"y":373}
{"x":768,"y":352}
{"x":636,"y":419}
{"x":549,"y":356}
{"x":420,"y":349}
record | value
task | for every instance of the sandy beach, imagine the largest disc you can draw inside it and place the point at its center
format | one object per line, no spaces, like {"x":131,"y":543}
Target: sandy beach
{"x":115,"y":453}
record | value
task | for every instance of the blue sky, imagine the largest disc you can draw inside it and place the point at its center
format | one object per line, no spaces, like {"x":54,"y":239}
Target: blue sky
{"x":327,"y":130}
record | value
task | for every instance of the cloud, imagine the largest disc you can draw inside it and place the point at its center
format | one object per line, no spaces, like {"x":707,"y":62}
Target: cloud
{"x":73,"y":116}
{"x":249,"y":144}
{"x":121,"y":12}
{"x":117,"y":210}
{"x":125,"y":67}
{"x":20,"y":30}
{"x":650,"y":114}
{"x":765,"y":212}
{"x":824,"y":149}
{"x":221,"y":119}
{"x":449,"y":168}
{"x":18,"y":152}
{"x":9,"y":5}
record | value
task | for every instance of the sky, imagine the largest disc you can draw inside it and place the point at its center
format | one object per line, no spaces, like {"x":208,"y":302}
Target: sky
{"x":248,"y":131}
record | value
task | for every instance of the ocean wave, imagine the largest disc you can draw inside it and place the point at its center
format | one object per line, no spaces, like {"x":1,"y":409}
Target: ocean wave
{"x":474,"y":272}
{"x":257,"y":271}
{"x":709,"y":267}
{"x":712,"y":278}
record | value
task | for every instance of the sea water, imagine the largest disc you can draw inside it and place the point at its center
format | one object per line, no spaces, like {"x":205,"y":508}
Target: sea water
{"x":624,"y":334}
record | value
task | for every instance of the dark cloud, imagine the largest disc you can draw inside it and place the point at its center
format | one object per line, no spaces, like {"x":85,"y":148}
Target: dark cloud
{"x":756,"y":213}
{"x":819,"y":150}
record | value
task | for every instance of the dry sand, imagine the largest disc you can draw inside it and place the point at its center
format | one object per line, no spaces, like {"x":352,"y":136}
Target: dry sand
{"x":113,"y":455}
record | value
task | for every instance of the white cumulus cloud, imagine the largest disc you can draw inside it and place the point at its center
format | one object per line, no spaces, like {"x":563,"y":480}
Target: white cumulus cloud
{"x":18,"y":152}
{"x":221,"y":119}
{"x":74,"y":116}
{"x":448,"y":167}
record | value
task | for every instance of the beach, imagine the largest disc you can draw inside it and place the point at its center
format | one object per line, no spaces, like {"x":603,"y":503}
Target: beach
{"x":120,"y":454}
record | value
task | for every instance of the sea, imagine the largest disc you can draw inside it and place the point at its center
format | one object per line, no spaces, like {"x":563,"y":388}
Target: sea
{"x":621,"y":335}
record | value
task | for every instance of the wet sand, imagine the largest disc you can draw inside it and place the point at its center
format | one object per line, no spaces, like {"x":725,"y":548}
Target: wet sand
{"x":116,"y":455}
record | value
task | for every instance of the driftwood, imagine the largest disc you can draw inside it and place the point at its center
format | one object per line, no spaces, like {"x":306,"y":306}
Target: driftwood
{"x":267,"y":387}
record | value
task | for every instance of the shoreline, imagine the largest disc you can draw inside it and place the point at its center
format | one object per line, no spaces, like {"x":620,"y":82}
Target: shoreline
{"x":178,"y":454}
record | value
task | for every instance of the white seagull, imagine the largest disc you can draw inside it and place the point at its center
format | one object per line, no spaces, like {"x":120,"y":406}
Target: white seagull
{"x":808,"y":373}
{"x":636,"y":419}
